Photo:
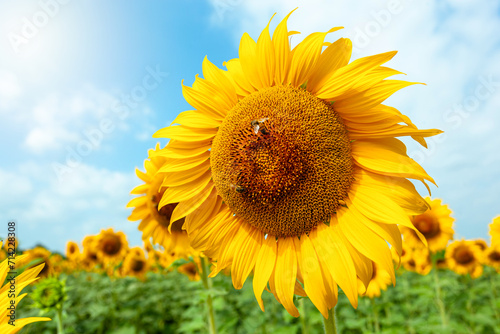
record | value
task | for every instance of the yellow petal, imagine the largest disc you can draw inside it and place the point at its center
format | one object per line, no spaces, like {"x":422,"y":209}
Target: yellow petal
{"x":305,"y":56}
{"x":345,"y":77}
{"x":185,"y":133}
{"x":177,"y":165}
{"x":184,"y":208}
{"x":264,"y":265}
{"x":286,"y":274}
{"x":186,"y":191}
{"x":181,"y":149}
{"x":330,"y":244}
{"x":175,"y":179}
{"x":365,"y":240}
{"x":220,"y":78}
{"x":335,"y":56}
{"x":388,"y":157}
{"x":370,"y":98}
{"x":311,"y":273}
{"x":245,"y":257}
{"x":281,"y":50}
{"x":196,"y":119}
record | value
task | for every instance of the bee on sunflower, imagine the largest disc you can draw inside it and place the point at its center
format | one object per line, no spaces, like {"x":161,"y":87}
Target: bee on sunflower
{"x":288,"y":166}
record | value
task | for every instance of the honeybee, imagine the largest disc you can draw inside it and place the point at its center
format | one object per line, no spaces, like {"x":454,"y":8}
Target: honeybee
{"x":257,"y":124}
{"x":240,"y":189}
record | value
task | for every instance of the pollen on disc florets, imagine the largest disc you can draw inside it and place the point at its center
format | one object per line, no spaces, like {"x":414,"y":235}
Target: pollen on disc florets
{"x":282,"y":160}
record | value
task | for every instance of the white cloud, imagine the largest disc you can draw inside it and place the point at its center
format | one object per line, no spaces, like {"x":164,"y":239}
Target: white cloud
{"x":10,"y":89}
{"x":59,"y":120}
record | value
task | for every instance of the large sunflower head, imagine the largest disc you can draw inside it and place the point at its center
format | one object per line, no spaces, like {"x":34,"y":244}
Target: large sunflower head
{"x":495,"y":231}
{"x":111,"y":246}
{"x":156,"y":223}
{"x":435,"y":224}
{"x":465,"y":257}
{"x":288,"y":166}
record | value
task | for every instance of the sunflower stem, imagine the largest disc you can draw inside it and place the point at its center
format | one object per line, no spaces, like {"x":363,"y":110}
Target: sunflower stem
{"x":208,"y":285}
{"x":303,"y":316}
{"x":439,"y":299}
{"x":60,"y":329}
{"x":493,"y":295}
{"x":330,"y":326}
{"x":375,"y":316}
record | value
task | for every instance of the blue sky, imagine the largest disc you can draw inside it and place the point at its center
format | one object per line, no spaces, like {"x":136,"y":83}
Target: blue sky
{"x":84,"y":85}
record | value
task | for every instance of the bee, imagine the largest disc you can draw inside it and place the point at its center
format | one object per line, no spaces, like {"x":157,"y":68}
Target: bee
{"x":240,"y":189}
{"x":257,"y":124}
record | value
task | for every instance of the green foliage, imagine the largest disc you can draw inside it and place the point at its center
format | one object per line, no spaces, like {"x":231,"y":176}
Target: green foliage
{"x":170,"y":303}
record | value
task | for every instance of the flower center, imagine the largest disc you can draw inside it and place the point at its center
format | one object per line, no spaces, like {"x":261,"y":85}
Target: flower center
{"x":494,"y":256}
{"x":163,"y":215}
{"x":282,"y":161}
{"x":463,"y":255}
{"x":111,"y":245}
{"x":137,"y":265}
{"x":427,"y":224}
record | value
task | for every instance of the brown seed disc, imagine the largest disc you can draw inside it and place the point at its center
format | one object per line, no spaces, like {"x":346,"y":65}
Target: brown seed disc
{"x":282,"y":160}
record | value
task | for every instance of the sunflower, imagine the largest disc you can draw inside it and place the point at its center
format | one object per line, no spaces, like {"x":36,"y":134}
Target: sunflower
{"x":135,"y":263}
{"x":191,"y":269}
{"x":492,"y":257}
{"x":88,"y":258}
{"x":420,"y":261}
{"x":27,"y":277}
{"x":495,"y":231}
{"x":72,"y":250}
{"x":111,"y":247}
{"x":42,"y":255}
{"x":288,"y":166}
{"x":157,"y":223}
{"x":435,"y":224}
{"x":465,"y":257}
{"x":380,"y":280}
{"x":482,"y":244}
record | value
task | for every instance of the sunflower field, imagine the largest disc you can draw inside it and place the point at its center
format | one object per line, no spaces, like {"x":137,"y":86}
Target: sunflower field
{"x":281,"y":203}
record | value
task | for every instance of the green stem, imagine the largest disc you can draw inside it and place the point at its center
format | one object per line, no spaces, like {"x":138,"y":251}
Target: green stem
{"x":330,"y":327}
{"x":303,"y":317}
{"x":439,"y":299}
{"x":493,"y":295}
{"x":208,"y":285}
{"x":60,"y":329}
{"x":375,"y":316}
